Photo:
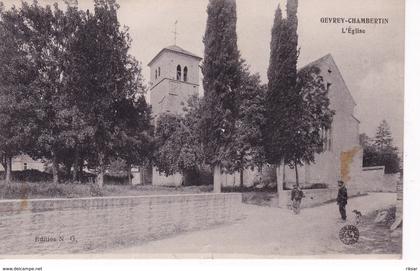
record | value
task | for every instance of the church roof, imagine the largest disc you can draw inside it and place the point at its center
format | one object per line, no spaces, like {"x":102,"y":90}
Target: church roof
{"x":176,"y":49}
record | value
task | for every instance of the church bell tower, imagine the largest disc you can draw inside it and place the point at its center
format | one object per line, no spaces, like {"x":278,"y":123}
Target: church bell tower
{"x":174,"y":77}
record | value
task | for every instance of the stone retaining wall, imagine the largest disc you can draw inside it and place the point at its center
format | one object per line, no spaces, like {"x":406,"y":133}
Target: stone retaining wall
{"x":374,"y":179}
{"x":79,"y":225}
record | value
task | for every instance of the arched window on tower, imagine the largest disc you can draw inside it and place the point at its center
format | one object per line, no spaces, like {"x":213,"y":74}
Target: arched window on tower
{"x":185,"y":74}
{"x":158,"y":71}
{"x":178,"y":72}
{"x":155,"y":74}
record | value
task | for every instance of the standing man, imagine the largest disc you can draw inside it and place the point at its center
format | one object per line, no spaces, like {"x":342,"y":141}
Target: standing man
{"x":297,"y":195}
{"x":342,"y":199}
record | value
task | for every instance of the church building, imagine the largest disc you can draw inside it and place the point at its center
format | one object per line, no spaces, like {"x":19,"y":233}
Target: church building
{"x":342,"y":156}
{"x":174,"y":77}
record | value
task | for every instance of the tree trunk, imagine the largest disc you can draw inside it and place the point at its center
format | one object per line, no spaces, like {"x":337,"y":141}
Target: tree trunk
{"x":241,"y":178}
{"x":279,"y":181}
{"x":3,"y":161}
{"x":81,"y":165}
{"x":217,"y":179}
{"x":75,"y":176}
{"x":100,"y":177}
{"x":278,"y":177}
{"x":284,"y":172}
{"x":297,"y":174}
{"x":129,"y":174}
{"x":68,"y":170}
{"x":141,"y":171}
{"x":55,"y":168}
{"x":8,"y":169}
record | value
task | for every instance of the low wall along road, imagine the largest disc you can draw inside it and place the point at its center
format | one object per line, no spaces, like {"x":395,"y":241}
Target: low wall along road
{"x":53,"y":226}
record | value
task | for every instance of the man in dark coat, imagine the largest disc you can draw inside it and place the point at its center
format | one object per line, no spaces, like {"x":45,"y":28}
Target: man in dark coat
{"x":297,"y":195}
{"x":342,"y":199}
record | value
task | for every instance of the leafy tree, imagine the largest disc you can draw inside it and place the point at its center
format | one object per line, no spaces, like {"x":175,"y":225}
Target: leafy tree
{"x":297,"y":104}
{"x":109,"y":90}
{"x":380,"y":151}
{"x":17,"y":73}
{"x":169,"y":138}
{"x":134,"y":140}
{"x":383,"y":137}
{"x":75,"y":129}
{"x":46,"y":34}
{"x":71,"y":73}
{"x":178,"y":146}
{"x":221,"y":79}
{"x":281,"y":98}
{"x":313,"y":118}
{"x":249,"y":140}
{"x":369,"y":151}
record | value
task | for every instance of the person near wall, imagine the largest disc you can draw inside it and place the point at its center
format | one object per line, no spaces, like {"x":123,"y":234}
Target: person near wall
{"x":342,"y":199}
{"x":297,"y":195}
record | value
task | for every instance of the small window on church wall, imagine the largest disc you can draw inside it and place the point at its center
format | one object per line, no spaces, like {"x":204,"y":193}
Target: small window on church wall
{"x":155,"y":74}
{"x":25,"y":166}
{"x":178,"y":72}
{"x":185,"y":73}
{"x":159,"y":71}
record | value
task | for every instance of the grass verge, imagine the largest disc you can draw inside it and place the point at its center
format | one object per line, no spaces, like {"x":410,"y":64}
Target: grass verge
{"x":27,"y":190}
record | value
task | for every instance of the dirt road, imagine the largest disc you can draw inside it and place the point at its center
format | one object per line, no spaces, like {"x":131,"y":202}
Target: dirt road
{"x":269,"y":232}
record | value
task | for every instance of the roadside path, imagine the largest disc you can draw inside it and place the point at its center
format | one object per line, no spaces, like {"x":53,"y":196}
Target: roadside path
{"x":265,"y":232}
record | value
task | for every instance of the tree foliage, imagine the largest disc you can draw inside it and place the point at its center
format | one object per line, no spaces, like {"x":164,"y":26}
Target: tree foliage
{"x":314,"y":117}
{"x":383,"y":138}
{"x":221,"y":79}
{"x":233,"y":105}
{"x":17,"y":74}
{"x":109,"y":90}
{"x":282,"y":98}
{"x":83,"y":89}
{"x":248,"y":144}
{"x":178,"y":145}
{"x":297,"y":103}
{"x":380,"y":150}
{"x":48,"y":31}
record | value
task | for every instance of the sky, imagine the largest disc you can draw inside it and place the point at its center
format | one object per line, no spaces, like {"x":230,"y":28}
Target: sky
{"x":372,"y":64}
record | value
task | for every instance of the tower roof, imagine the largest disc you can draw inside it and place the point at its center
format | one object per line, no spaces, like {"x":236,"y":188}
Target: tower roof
{"x":175,"y":49}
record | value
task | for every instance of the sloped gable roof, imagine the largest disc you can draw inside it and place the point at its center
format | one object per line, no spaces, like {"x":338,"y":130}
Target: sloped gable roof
{"x":176,"y":49}
{"x":330,"y":60}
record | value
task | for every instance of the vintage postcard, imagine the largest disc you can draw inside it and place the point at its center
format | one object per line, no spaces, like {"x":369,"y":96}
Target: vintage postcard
{"x":201,"y":129}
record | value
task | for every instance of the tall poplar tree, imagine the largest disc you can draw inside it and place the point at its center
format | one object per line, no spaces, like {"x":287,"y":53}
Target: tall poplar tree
{"x":221,"y":79}
{"x":282,"y":98}
{"x":297,"y":104}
